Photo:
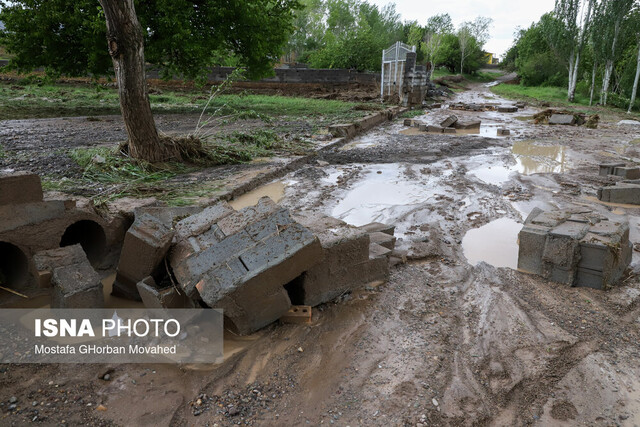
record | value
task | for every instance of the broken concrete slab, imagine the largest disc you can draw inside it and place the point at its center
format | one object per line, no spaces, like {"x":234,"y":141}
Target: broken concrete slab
{"x":168,"y":297}
{"x":449,"y":121}
{"x":145,"y":246}
{"x":18,"y":188}
{"x":609,"y":168}
{"x":77,"y":286}
{"x":46,"y":261}
{"x":562,"y":119}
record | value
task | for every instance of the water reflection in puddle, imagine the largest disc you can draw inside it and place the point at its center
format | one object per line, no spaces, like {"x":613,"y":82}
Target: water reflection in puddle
{"x":495,"y":243}
{"x":385,"y":192}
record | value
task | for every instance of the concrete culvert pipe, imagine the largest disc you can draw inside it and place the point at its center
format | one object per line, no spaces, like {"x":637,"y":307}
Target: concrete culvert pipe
{"x":14,"y":267}
{"x":91,"y":237}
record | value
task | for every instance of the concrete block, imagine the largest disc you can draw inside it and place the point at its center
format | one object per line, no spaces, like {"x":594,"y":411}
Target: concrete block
{"x":47,"y":261}
{"x":379,"y":251}
{"x":16,"y":189}
{"x":503,"y":132}
{"x":169,"y":216}
{"x":201,"y":222}
{"x":608,"y":168}
{"x":423,"y":128}
{"x":562,"y":119}
{"x":383,"y":239}
{"x":507,"y":109}
{"x":449,"y":130}
{"x":408,"y":122}
{"x":586,"y":278}
{"x":475,"y":124}
{"x":531,"y":244}
{"x":297,"y":314}
{"x":237,"y":221}
{"x":378,"y":226}
{"x":77,"y":286}
{"x":168,"y":297}
{"x":435,"y":129}
{"x":449,"y":121}
{"x":621,"y":193}
{"x":145,"y":246}
{"x":550,"y":218}
{"x":627,"y":172}
{"x":342,"y":130}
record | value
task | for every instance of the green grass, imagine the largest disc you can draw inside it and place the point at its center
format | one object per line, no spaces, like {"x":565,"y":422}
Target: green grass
{"x":411,"y":114}
{"x":33,"y":97}
{"x":556,"y":95}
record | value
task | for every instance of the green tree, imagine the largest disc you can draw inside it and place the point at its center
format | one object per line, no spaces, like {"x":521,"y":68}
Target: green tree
{"x":181,"y":37}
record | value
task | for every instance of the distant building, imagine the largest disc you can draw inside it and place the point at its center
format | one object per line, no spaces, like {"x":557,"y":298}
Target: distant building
{"x":488,"y":57}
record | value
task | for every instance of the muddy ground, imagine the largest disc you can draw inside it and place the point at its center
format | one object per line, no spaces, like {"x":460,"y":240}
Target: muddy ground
{"x":456,"y":337}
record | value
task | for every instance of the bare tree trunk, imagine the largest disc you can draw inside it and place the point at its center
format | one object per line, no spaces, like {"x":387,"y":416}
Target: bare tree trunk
{"x":593,"y":82}
{"x":635,"y":83}
{"x":609,"y":67}
{"x":126,"y":47}
{"x":571,"y":67}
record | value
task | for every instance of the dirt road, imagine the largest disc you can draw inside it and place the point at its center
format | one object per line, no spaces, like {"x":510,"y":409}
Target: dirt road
{"x":456,"y":337}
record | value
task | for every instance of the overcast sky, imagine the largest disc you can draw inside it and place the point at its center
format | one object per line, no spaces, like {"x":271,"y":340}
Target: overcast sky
{"x":507,"y":15}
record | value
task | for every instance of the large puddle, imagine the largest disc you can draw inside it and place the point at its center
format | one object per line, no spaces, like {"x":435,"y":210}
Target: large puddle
{"x":495,"y":243}
{"x":275,"y":191}
{"x":530,"y":159}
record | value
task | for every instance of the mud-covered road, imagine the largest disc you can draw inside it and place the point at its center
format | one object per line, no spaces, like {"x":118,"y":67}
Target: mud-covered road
{"x":456,"y":337}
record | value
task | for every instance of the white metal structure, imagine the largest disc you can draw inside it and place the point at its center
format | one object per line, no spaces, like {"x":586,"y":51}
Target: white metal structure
{"x":393,"y":60}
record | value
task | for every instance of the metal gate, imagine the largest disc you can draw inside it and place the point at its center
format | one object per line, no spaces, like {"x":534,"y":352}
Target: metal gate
{"x":393,"y":61}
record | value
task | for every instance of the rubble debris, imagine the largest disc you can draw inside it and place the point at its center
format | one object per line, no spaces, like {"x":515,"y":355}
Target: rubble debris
{"x":449,"y":121}
{"x":475,"y":124}
{"x":434,"y":106}
{"x":297,"y":314}
{"x":627,"y":172}
{"x":145,"y":246}
{"x":351,"y":260}
{"x":577,"y":248}
{"x":507,"y":109}
{"x":622,"y":192}
{"x":76,"y":285}
{"x":608,"y":168}
{"x":521,"y":105}
{"x":503,"y":132}
{"x":340,"y":130}
{"x":239,"y":261}
{"x":154,"y":296}
{"x":562,"y":119}
{"x":474,"y":107}
{"x":592,"y":121}
{"x":46,"y":261}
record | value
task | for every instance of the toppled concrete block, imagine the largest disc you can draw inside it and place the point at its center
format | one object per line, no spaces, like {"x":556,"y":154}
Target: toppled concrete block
{"x":583,"y":249}
{"x":521,"y":105}
{"x":475,"y":124}
{"x":620,"y":193}
{"x":16,"y":189}
{"x":378,"y":226}
{"x":77,"y":286}
{"x":423,"y":128}
{"x":145,"y":246}
{"x":562,"y":119}
{"x":608,"y":168}
{"x":503,"y":132}
{"x":168,"y":297}
{"x":449,"y":121}
{"x":449,"y":130}
{"x":383,"y":239}
{"x":46,"y":261}
{"x":627,"y":172}
{"x":434,"y":129}
{"x":507,"y":109}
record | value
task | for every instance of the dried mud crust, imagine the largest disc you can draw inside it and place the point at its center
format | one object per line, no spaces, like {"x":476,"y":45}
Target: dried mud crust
{"x":442,"y":343}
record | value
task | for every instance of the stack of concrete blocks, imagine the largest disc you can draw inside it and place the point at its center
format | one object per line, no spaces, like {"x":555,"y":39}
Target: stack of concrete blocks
{"x":415,"y":82}
{"x":29,"y":223}
{"x":75,"y":283}
{"x":239,"y":261}
{"x":577,"y":248}
{"x":623,"y":192}
{"x":353,"y":257}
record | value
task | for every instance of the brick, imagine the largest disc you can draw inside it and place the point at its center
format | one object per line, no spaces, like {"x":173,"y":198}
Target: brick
{"x":77,"y":286}
{"x":531,"y":243}
{"x":145,"y":246}
{"x":297,"y":314}
{"x":18,"y":189}
{"x":449,"y":121}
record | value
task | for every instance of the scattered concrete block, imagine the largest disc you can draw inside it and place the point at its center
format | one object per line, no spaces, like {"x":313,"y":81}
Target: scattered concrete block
{"x":467,"y":125}
{"x":145,"y":246}
{"x":627,"y":172}
{"x":608,"y":168}
{"x":47,"y":261}
{"x":434,"y":129}
{"x":562,"y":119}
{"x":408,"y":122}
{"x":449,"y":130}
{"x":435,"y":106}
{"x":507,"y":109}
{"x":521,"y":105}
{"x":532,"y":240}
{"x":383,"y":239}
{"x":77,"y":286}
{"x":423,"y":128}
{"x":620,"y":193}
{"x":297,"y":314}
{"x":343,"y":130}
{"x":169,"y":297}
{"x":449,"y":121}
{"x":378,"y":226}
{"x":16,"y":189}
{"x":503,"y":132}
{"x":379,"y":251}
